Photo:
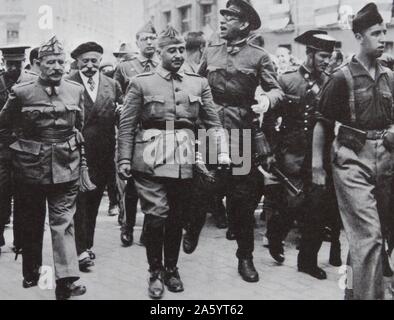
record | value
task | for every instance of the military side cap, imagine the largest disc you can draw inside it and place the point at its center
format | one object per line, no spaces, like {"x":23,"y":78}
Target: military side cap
{"x":367,"y":17}
{"x":243,"y":9}
{"x":169,"y":36}
{"x":148,"y":28}
{"x":53,"y":46}
{"x":14,"y":53}
{"x":87,"y":47}
{"x":317,"y":39}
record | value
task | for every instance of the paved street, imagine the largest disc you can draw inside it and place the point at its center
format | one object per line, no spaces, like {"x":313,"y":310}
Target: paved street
{"x":209,"y":274}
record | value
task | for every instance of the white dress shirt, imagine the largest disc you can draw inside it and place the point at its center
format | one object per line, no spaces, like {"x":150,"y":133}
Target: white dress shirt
{"x":96,"y":79}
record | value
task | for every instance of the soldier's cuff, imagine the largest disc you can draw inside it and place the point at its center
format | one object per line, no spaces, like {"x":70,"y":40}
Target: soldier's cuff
{"x":123,"y":161}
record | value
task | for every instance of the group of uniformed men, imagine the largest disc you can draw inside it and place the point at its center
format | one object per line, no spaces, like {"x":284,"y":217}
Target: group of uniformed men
{"x":335,"y":142}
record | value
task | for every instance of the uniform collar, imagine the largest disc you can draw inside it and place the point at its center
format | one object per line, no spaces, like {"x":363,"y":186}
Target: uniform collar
{"x":168,"y":75}
{"x":144,"y":60}
{"x":50,"y":88}
{"x":236,"y":47}
{"x":359,"y":70}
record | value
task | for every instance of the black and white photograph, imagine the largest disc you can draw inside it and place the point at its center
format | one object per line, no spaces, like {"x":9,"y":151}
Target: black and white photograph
{"x":216,"y":151}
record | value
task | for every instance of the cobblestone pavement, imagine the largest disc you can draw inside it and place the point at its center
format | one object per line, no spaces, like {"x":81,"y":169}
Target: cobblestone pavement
{"x":209,"y":274}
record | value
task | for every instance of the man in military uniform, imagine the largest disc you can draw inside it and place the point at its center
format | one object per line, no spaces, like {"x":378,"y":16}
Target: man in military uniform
{"x":160,"y":113}
{"x":235,"y":67}
{"x":13,"y":58}
{"x":34,"y":71}
{"x":293,"y":149}
{"x":357,"y":108}
{"x":146,"y":61}
{"x":46,"y":115}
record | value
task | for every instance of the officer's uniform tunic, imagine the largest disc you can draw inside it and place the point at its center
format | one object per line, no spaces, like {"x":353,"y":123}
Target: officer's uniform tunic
{"x":234,"y":73}
{"x":46,"y":162}
{"x":162,"y":157}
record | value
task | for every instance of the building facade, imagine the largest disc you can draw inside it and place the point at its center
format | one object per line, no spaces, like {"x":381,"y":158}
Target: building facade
{"x":31,"y":22}
{"x":282,"y":20}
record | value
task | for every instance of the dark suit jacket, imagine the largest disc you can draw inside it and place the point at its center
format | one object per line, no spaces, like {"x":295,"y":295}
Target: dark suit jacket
{"x":99,"y":129}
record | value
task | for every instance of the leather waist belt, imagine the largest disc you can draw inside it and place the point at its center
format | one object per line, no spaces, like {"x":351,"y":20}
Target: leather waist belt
{"x":375,"y":134}
{"x":163,"y":125}
{"x":53,"y":136}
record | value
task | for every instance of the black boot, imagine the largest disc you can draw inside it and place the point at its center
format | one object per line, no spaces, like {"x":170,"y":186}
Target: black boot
{"x":276,"y":251}
{"x":65,"y":289}
{"x":190,"y":242}
{"x":335,"y":254}
{"x":173,"y":280}
{"x":126,"y":237}
{"x":247,"y":270}
{"x":156,"y":284}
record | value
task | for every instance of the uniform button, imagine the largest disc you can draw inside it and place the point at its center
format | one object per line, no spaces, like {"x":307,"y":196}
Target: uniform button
{"x":306,"y":129}
{"x":306,"y":121}
{"x":177,"y":89}
{"x":178,"y":103}
{"x":306,"y":114}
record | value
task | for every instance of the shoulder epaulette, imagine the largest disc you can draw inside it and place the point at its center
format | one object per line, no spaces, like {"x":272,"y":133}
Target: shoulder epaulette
{"x":192,"y":74}
{"x":256,"y":46}
{"x":291,"y":70}
{"x":24,"y":84}
{"x":145,"y":74}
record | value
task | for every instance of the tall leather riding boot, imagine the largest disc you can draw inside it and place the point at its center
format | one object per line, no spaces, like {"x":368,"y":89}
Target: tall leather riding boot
{"x":154,"y":241}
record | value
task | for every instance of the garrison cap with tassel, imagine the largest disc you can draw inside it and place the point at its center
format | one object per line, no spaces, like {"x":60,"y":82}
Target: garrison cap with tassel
{"x":147,"y":28}
{"x":169,"y":36}
{"x":53,"y":46}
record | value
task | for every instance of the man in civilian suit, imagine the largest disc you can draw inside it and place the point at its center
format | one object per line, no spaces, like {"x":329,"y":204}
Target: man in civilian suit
{"x":102,"y":94}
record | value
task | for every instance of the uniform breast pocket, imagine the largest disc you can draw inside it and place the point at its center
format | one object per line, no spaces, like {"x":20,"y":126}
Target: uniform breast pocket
{"x":387,"y":102}
{"x":191,"y":109}
{"x":32,"y":114}
{"x":71,"y":113}
{"x":364,"y":99}
{"x":154,"y":107}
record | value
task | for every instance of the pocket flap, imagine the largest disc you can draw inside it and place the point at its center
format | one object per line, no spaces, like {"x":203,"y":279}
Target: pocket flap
{"x":39,"y":109}
{"x":26,"y":146}
{"x":72,"y":107}
{"x":248,"y":71}
{"x":193,"y":99}
{"x":149,"y":99}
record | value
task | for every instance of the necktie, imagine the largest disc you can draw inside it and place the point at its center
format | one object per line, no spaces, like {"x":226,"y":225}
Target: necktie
{"x":147,"y":67}
{"x":91,"y":84}
{"x":176,"y":76}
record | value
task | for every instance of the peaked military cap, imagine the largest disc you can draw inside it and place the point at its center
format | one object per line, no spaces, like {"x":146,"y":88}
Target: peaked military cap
{"x":367,"y":17}
{"x":14,"y":53}
{"x":243,"y":9}
{"x":147,"y":28}
{"x":317,"y":39}
{"x":169,"y":36}
{"x":87,"y":47}
{"x":53,"y":46}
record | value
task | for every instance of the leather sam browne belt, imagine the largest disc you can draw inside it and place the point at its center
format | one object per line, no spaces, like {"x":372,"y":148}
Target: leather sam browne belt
{"x":53,"y":136}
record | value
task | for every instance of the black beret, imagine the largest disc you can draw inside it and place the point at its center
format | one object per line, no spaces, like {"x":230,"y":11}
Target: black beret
{"x":366,"y":18}
{"x":87,"y":47}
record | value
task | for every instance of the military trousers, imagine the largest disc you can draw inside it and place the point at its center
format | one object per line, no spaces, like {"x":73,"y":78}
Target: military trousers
{"x":5,"y":190}
{"x":241,"y":194}
{"x":363,"y":184}
{"x":61,"y":200}
{"x":164,"y":201}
